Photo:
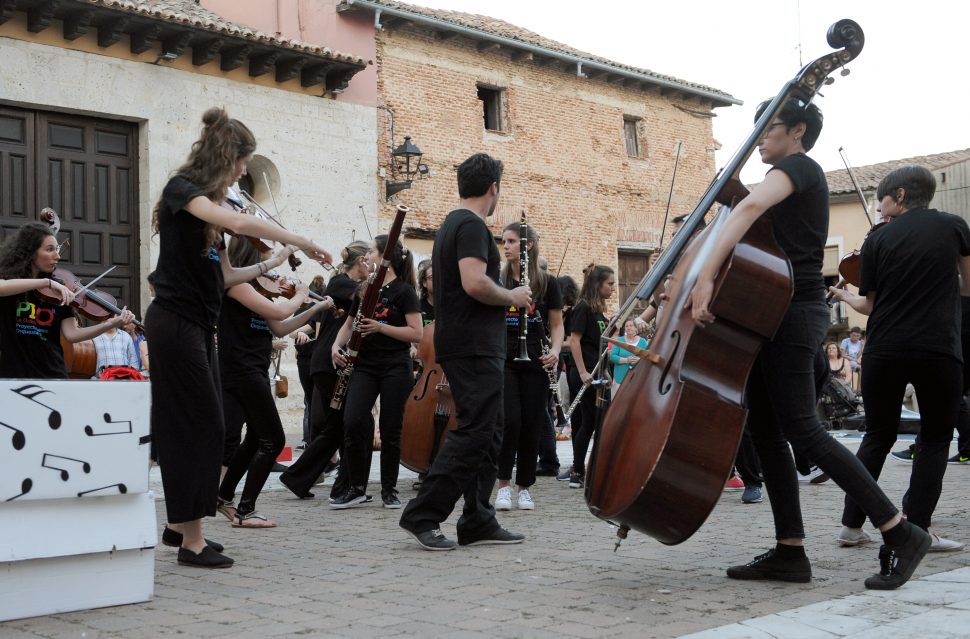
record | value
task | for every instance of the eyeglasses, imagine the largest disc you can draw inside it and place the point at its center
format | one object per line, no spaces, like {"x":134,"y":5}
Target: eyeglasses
{"x":772,"y":126}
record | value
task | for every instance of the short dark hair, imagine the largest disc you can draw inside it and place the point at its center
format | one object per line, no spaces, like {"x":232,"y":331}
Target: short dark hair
{"x":917,"y":182}
{"x":476,"y":174}
{"x":855,"y":329}
{"x":794,"y":112}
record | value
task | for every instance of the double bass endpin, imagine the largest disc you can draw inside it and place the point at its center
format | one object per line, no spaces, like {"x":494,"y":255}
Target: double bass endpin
{"x":621,"y":533}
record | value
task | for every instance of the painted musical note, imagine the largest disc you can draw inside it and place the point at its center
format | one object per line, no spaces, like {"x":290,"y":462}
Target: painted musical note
{"x":25,"y":487}
{"x":88,"y":430}
{"x":121,"y":489}
{"x":31,"y":391}
{"x":19,"y":440}
{"x":85,"y":466}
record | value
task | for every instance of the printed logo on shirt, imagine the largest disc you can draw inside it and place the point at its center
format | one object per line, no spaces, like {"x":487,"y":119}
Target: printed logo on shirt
{"x":602,"y":325}
{"x":258,"y":324}
{"x":31,"y":319}
{"x":382,"y":311}
{"x":213,"y":254}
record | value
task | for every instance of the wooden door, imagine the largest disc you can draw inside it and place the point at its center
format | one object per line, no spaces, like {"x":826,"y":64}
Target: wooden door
{"x":631,"y":269}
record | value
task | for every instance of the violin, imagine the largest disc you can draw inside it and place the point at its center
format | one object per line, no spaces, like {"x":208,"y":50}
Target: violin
{"x":242,"y":202}
{"x":95,"y":305}
{"x":273,"y":285}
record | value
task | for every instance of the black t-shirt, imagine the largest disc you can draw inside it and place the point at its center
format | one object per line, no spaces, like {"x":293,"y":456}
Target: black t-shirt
{"x":396,"y":299}
{"x":305,"y":351}
{"x":911,"y":266}
{"x":188,"y":276}
{"x":464,"y":327}
{"x":427,"y":312}
{"x":30,"y":334}
{"x":590,"y":326}
{"x":538,"y":324}
{"x":245,"y":343}
{"x":801,"y":224}
{"x":343,"y":290}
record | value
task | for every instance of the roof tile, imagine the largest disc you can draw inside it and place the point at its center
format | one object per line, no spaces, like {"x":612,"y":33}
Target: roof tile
{"x":869,"y":176}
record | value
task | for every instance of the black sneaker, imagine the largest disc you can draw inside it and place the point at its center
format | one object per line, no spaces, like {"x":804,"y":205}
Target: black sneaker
{"x":772,"y":567}
{"x":174,"y":538}
{"x":959,"y":459}
{"x":432,"y":540}
{"x":349,"y":499}
{"x":497,"y":536}
{"x":208,"y":558}
{"x":904,"y":455}
{"x":390,"y":500}
{"x":564,"y":475}
{"x":897,"y":563}
{"x":575,"y":480}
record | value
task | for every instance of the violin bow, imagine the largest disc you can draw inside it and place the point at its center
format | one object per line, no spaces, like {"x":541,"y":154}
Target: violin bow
{"x":91,"y":283}
{"x":559,"y":270}
{"x":670,"y":197}
{"x":855,"y":183}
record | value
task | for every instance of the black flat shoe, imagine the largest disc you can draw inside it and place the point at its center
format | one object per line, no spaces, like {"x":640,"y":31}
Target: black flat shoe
{"x":285,"y":480}
{"x":173,"y":538}
{"x":208,"y":558}
{"x":897,"y":563}
{"x":498,"y":536}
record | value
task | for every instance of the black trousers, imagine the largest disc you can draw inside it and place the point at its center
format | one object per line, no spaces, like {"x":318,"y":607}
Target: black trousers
{"x":388,"y":375}
{"x":582,"y":431}
{"x":235,"y":418}
{"x":260,"y":447}
{"x":466,"y":464}
{"x":526,"y":402}
{"x":548,"y":457}
{"x":306,"y":383}
{"x":187,"y":422}
{"x":938,"y":382}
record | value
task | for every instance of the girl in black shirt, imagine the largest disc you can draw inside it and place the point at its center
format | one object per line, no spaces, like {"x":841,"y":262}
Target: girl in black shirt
{"x":247,"y":325}
{"x":326,"y":423}
{"x":31,"y":328}
{"x":383,"y":369}
{"x":526,"y":395}
{"x":192,"y":272}
{"x":586,"y":324}
{"x":781,"y":387}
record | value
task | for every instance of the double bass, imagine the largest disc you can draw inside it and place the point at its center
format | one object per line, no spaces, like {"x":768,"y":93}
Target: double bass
{"x":667,"y":442}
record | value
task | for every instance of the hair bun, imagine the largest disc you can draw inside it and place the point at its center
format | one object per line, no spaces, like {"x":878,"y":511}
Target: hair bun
{"x":215,"y":116}
{"x":589,"y":268}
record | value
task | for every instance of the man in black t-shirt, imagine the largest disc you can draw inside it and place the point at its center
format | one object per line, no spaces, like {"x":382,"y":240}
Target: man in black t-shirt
{"x":470,"y":346}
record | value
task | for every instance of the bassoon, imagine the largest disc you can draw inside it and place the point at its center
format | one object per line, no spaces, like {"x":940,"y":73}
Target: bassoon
{"x":368,"y":304}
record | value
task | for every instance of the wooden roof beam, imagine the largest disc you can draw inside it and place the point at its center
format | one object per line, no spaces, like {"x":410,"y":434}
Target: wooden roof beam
{"x":111,"y":31}
{"x":144,"y":37}
{"x":40,"y":15}
{"x":77,"y":23}
{"x":522,"y":56}
{"x":206,"y":51}
{"x":486,"y":46}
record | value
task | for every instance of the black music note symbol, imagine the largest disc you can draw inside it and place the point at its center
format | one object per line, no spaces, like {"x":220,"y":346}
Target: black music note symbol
{"x":86,"y":467}
{"x":19,"y":440}
{"x":29,"y":392}
{"x":88,"y":430}
{"x":121,"y":489}
{"x":25,"y":486}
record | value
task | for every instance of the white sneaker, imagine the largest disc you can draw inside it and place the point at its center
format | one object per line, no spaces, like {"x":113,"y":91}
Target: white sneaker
{"x":853,"y":537}
{"x":941,"y":544}
{"x":814,"y":476}
{"x":525,"y":501}
{"x":503,"y":500}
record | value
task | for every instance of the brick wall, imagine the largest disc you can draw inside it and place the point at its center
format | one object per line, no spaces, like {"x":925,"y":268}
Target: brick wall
{"x":564,"y":152}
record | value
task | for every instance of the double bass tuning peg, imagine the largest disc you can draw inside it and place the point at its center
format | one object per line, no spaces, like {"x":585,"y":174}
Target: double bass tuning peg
{"x":844,"y":72}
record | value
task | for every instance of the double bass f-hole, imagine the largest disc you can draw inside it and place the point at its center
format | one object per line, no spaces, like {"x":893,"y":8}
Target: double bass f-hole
{"x":664,"y":386}
{"x":424,"y":389}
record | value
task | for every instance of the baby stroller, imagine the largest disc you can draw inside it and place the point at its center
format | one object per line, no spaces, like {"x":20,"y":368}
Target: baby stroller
{"x":837,"y":404}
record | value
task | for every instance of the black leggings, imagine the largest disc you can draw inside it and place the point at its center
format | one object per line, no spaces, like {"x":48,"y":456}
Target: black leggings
{"x":388,"y":375}
{"x":583,"y":430}
{"x":259,"y":448}
{"x":526,"y":399}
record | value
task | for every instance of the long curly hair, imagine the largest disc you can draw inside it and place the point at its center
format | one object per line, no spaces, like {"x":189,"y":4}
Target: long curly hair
{"x":212,"y":161}
{"x":17,"y":253}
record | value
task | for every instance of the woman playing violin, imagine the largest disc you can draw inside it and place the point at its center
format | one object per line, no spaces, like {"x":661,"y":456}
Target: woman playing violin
{"x":781,"y":387}
{"x":192,"y":272}
{"x":31,"y":325}
{"x":247,"y":323}
{"x":326,"y":423}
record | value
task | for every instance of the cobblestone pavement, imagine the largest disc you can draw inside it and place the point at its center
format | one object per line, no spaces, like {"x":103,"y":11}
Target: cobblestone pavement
{"x":355,"y":573}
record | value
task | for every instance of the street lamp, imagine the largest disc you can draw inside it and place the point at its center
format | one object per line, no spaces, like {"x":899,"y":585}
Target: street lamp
{"x":405,"y":163}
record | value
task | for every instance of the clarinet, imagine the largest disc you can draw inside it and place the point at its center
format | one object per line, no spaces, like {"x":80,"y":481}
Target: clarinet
{"x":524,"y":281}
{"x":368,"y":304}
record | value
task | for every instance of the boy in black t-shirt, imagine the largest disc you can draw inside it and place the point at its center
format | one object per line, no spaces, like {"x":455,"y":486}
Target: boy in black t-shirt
{"x":468,"y":301}
{"x":910,"y":288}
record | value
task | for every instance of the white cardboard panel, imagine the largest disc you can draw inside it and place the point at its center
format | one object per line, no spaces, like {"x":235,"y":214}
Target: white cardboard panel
{"x":58,"y":527}
{"x":48,"y":586}
{"x":71,"y":438}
